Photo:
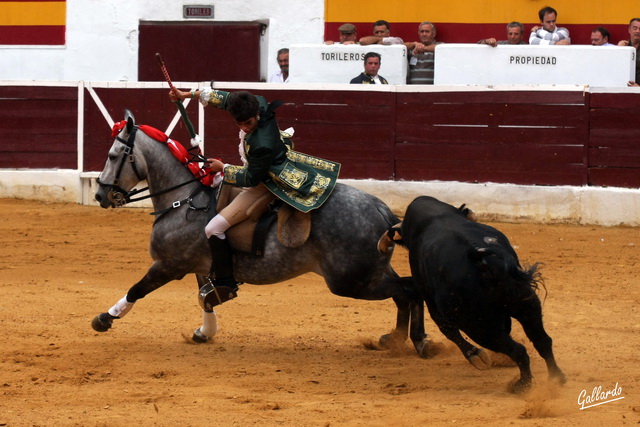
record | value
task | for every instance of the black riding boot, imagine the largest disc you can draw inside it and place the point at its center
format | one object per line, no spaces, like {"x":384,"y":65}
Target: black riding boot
{"x":222,"y":285}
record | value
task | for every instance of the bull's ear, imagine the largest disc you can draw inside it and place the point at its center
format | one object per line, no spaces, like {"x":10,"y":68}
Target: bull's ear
{"x":394,"y":232}
{"x":468,"y":213}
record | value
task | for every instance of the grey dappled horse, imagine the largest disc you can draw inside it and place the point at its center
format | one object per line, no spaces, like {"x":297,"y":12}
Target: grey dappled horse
{"x":342,"y":246}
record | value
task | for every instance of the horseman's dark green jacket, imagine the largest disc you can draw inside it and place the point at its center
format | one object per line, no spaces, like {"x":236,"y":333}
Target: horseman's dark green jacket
{"x":300,"y":180}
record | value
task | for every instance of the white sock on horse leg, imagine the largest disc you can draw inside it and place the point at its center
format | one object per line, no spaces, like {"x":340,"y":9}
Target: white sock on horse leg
{"x":121,"y":308}
{"x":216,"y":227}
{"x":209,"y":323}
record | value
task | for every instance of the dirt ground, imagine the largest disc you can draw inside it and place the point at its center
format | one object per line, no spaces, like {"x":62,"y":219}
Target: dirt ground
{"x":289,"y":354}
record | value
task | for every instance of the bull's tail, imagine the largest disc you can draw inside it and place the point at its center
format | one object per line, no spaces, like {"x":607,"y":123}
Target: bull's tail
{"x":534,"y":278}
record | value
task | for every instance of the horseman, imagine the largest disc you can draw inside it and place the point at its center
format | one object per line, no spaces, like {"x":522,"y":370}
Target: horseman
{"x":269,"y":165}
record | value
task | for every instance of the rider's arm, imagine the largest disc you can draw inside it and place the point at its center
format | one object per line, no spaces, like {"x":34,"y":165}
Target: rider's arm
{"x":206,"y":96}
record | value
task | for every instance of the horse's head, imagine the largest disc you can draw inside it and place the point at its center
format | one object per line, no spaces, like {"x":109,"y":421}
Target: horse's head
{"x":125,"y":166}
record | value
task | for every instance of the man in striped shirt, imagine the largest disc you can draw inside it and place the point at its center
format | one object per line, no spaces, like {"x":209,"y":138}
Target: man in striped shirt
{"x":422,"y":55}
{"x":548,"y":33}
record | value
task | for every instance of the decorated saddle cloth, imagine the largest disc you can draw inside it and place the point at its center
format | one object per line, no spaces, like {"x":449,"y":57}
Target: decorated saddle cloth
{"x":303,"y":181}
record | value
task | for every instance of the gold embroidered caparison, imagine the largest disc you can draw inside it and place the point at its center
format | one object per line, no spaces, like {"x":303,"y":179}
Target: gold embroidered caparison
{"x":317,"y":190}
{"x":293,"y":176}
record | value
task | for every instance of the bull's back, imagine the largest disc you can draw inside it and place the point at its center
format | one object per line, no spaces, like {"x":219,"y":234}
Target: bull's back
{"x":450,"y":255}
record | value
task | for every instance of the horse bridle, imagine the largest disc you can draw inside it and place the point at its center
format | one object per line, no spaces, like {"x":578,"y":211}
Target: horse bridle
{"x":117,"y":194}
{"x":120,"y":196}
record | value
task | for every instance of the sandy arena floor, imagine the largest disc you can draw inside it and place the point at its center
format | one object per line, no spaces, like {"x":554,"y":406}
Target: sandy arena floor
{"x":289,"y":354}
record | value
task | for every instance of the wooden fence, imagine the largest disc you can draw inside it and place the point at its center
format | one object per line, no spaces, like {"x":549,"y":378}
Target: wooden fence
{"x":575,"y":137}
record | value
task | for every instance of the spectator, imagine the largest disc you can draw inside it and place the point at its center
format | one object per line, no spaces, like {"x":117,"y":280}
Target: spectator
{"x":549,"y":33}
{"x":381,"y":35}
{"x":348,"y":34}
{"x":634,"y":41}
{"x":600,"y":37}
{"x":422,"y":55}
{"x":372,"y":61}
{"x":515,"y":33}
{"x":283,"y":61}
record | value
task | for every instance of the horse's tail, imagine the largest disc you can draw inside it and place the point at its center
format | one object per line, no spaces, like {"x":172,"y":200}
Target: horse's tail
{"x":390,"y":218}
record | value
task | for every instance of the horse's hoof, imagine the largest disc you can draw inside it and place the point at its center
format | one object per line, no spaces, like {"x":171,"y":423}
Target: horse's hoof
{"x":102,"y":322}
{"x":481,"y":360}
{"x":199,"y":338}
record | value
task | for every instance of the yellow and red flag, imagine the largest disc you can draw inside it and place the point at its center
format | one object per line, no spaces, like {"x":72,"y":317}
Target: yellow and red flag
{"x":29,"y":22}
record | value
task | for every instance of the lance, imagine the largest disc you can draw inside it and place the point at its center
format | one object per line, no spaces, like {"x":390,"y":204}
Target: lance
{"x":183,"y":111}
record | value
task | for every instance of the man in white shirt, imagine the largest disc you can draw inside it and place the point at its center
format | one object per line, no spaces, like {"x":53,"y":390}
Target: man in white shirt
{"x":283,"y":61}
{"x":600,"y":37}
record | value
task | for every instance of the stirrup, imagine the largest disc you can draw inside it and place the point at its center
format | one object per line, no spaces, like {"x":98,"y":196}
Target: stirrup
{"x":211,"y":295}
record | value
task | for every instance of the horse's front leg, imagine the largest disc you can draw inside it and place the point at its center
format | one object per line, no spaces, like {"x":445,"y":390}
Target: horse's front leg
{"x":209,"y":321}
{"x":155,"y":278}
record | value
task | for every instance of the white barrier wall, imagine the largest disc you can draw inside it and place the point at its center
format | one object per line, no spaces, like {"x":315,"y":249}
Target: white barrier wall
{"x":312,"y":63}
{"x":473,"y":64}
{"x":102,"y":36}
{"x":492,"y":202}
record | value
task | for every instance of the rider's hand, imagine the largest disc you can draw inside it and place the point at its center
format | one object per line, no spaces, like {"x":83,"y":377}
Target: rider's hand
{"x":176,"y":95}
{"x":215,"y":165}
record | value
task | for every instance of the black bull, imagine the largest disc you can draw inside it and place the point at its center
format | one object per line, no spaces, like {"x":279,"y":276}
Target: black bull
{"x":471,"y":280}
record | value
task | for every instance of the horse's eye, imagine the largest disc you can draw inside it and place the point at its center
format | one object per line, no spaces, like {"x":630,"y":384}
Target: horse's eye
{"x":113,"y":157}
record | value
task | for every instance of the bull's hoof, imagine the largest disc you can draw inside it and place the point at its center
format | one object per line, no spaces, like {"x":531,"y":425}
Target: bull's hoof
{"x":423,"y":348}
{"x":520,"y":386}
{"x":480,"y":359}
{"x":392,"y":341}
{"x":102,"y":322}
{"x":199,"y":338}
{"x":557,"y":377}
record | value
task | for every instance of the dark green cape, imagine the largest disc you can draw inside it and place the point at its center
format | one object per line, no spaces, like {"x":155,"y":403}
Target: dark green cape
{"x":300,"y":180}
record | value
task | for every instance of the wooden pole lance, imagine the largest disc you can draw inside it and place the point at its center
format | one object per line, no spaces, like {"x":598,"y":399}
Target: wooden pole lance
{"x":183,"y":111}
